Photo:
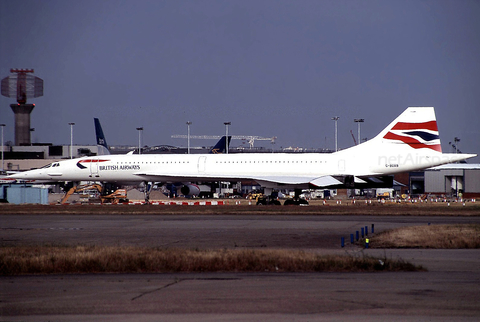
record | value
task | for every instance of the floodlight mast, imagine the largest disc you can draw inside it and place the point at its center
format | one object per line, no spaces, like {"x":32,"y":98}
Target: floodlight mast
{"x":226,"y":134}
{"x":140,"y":130}
{"x":336,"y":118}
{"x":188,"y":134}
{"x":71,"y":139}
{"x":358,"y":121}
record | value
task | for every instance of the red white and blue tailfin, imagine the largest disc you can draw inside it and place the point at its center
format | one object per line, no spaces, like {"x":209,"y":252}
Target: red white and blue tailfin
{"x":410,"y":142}
{"x":415,"y":127}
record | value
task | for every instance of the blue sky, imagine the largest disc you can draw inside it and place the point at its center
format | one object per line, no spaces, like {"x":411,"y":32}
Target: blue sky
{"x":272,"y":68}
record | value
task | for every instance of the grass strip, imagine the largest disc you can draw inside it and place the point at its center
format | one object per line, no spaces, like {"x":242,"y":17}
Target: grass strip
{"x":105,"y":259}
{"x":431,"y":236}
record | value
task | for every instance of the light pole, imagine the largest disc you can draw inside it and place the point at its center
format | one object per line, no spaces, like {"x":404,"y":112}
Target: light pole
{"x":3,"y":164}
{"x":335,"y":118}
{"x":456,"y":144}
{"x":188,"y":136}
{"x":71,"y":139}
{"x":358,"y":121}
{"x":139,"y":129}
{"x":226,"y":134}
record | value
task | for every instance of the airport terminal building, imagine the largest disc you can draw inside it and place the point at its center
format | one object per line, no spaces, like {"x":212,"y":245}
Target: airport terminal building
{"x":26,"y":157}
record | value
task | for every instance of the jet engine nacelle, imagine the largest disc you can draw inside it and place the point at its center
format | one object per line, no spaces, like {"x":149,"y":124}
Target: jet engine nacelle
{"x":190,"y":190}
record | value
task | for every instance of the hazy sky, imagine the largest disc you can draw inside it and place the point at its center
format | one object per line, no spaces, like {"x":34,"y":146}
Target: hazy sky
{"x":272,"y":68}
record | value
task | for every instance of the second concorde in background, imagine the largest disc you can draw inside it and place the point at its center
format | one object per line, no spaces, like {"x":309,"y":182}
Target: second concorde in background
{"x":411,"y":142}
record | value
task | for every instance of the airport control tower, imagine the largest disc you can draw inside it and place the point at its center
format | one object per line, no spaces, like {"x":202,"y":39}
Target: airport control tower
{"x":21,"y":85}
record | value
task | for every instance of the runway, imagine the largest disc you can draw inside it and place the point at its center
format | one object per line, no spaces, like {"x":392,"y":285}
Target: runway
{"x":449,"y":290}
{"x":202,"y":231}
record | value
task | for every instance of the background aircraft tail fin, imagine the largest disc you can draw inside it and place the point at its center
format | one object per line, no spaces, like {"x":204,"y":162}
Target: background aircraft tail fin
{"x":221,"y":146}
{"x":101,"y":141}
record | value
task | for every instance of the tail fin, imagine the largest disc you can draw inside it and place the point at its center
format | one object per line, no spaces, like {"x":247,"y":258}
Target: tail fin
{"x":416,"y":127}
{"x":410,"y":142}
{"x":221,"y":146}
{"x":101,"y":141}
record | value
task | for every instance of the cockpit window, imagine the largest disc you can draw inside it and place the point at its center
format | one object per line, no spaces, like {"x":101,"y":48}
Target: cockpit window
{"x":53,"y":165}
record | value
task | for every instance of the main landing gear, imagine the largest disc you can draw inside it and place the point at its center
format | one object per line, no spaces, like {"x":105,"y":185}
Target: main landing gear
{"x":269,"y":197}
{"x":148,"y":189}
{"x":296,"y":201}
{"x":268,"y":200}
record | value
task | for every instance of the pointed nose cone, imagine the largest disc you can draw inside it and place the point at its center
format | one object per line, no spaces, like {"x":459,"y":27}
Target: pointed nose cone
{"x":28,"y":175}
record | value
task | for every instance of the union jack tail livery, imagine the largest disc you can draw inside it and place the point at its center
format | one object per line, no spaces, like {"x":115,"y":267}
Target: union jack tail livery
{"x":417,"y":138}
{"x":416,"y":127}
{"x":410,"y":142}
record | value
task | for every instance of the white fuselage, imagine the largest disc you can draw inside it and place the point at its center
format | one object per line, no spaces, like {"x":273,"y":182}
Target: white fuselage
{"x":411,"y":142}
{"x":283,"y":168}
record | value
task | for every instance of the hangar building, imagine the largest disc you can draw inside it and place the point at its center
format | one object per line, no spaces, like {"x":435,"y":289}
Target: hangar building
{"x":453,"y":179}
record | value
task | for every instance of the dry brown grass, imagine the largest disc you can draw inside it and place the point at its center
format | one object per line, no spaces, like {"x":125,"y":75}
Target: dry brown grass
{"x":432,"y":236}
{"x":94,"y":259}
{"x":316,"y":208}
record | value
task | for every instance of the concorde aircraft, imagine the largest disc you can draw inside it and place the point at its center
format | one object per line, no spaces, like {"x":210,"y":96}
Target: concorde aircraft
{"x":411,"y":142}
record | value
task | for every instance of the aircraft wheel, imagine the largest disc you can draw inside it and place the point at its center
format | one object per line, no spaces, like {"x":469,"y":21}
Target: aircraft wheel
{"x":302,"y":202}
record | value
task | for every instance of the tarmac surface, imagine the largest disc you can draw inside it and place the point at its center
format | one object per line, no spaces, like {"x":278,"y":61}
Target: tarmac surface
{"x":450,"y":290}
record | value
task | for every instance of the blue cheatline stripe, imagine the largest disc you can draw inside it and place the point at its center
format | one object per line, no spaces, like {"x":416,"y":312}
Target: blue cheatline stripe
{"x":424,"y":135}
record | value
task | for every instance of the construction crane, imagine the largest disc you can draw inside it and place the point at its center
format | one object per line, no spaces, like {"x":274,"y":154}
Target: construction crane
{"x":353,"y":137}
{"x":249,"y":138}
